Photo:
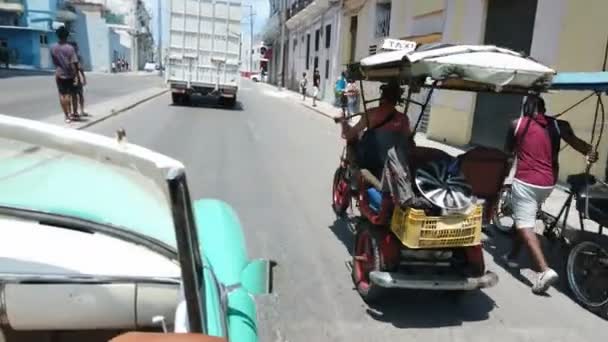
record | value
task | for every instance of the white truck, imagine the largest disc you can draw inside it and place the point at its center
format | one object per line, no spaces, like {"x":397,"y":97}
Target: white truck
{"x":204,"y":49}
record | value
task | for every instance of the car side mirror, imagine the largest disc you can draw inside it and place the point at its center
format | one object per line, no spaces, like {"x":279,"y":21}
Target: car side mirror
{"x":257,"y":278}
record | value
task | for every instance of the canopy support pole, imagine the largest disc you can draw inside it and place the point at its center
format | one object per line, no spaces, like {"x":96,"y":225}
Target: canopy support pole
{"x":423,"y":107}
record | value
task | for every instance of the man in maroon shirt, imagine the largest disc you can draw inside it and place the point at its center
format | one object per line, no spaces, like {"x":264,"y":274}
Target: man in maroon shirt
{"x":535,"y":140}
{"x":66,"y":68}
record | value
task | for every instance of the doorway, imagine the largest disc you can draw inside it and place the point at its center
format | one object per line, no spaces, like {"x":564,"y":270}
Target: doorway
{"x":45,"y":52}
{"x":509,"y":24}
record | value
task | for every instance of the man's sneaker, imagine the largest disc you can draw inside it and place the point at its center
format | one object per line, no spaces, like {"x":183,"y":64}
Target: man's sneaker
{"x":510,"y":262}
{"x":544,"y":281}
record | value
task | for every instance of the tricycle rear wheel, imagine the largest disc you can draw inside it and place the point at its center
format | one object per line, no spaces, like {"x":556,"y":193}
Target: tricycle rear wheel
{"x":340,"y":192}
{"x":366,"y":258}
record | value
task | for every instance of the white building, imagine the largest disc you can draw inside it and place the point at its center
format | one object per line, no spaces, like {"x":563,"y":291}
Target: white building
{"x":366,"y":23}
{"x":313,"y":43}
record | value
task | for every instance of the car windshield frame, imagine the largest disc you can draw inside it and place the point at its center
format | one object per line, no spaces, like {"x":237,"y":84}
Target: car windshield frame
{"x":167,"y":173}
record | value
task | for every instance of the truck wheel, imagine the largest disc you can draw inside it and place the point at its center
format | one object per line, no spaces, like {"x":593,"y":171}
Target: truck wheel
{"x":231,"y":102}
{"x":186,"y":99}
{"x":176,"y":98}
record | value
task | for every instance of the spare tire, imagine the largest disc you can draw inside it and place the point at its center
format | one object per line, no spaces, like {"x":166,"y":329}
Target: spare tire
{"x":443,"y":184}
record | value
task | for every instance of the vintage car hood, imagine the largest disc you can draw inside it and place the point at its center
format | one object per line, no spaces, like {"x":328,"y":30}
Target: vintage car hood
{"x":61,"y":171}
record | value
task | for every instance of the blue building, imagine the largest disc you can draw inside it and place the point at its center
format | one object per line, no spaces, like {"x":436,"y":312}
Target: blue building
{"x":27,"y":29}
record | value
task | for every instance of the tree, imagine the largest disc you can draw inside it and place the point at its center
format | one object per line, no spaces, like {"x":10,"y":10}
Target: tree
{"x":113,"y":18}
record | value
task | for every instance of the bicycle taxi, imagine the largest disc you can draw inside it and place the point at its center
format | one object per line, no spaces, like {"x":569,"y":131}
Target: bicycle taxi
{"x":397,"y":246}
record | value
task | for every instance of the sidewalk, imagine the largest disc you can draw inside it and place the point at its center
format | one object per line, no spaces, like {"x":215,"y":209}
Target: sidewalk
{"x":107,"y":109}
{"x":552,"y":205}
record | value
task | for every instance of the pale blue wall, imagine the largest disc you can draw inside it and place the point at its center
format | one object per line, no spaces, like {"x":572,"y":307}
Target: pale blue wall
{"x":117,"y":50}
{"x":40,"y":13}
{"x":25,"y":39}
{"x":91,"y":33}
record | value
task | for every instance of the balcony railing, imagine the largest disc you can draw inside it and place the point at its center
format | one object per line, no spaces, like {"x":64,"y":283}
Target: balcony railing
{"x":297,"y":6}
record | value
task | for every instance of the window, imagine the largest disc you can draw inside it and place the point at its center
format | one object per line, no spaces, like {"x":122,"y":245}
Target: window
{"x":383,"y":20}
{"x":295,"y":43}
{"x":317,"y":38}
{"x":308,"y":51}
{"x":327,"y":69}
{"x":316,"y":62}
{"x":354,"y":22}
{"x":327,"y":36}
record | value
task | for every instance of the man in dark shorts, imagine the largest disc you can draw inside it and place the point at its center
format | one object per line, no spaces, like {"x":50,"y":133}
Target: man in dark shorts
{"x":66,"y":68}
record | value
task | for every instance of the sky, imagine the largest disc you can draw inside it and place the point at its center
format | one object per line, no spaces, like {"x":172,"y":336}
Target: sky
{"x":260,"y":9}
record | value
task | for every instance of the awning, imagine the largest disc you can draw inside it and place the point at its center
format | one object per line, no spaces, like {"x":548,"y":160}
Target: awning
{"x":596,"y":81}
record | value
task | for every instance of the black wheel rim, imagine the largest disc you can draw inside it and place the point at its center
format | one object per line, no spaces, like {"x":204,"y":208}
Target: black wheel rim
{"x":587,"y":271}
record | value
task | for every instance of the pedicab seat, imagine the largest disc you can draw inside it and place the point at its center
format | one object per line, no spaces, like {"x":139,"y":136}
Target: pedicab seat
{"x":580,"y":181}
{"x":485,"y":169}
{"x":598,"y":203}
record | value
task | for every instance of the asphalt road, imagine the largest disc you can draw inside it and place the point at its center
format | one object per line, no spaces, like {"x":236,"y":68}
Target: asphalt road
{"x":273,"y":161}
{"x":34,"y":96}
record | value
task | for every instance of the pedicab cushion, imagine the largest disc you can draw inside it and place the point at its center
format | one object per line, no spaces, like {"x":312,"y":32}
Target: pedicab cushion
{"x":375,"y":199}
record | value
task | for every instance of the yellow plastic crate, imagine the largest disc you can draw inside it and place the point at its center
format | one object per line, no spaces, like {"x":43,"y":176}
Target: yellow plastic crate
{"x":416,"y":230}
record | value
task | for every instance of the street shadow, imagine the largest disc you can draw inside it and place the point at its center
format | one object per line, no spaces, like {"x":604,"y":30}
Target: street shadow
{"x":498,"y":244}
{"x":4,"y":73}
{"x":343,"y":229}
{"x":431,"y":309}
{"x":198,"y":101}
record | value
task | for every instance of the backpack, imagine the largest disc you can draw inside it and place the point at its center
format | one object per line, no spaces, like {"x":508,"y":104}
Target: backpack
{"x":368,"y":155}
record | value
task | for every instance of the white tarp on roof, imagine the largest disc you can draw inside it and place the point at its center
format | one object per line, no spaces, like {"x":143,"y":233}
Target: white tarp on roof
{"x":484,"y":64}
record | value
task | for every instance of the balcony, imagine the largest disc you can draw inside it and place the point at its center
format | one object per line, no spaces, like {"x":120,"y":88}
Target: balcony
{"x":14,"y":6}
{"x":353,"y":5}
{"x":302,"y":11}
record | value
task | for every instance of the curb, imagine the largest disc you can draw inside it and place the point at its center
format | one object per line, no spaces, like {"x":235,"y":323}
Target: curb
{"x":121,"y":110}
{"x":317,"y":110}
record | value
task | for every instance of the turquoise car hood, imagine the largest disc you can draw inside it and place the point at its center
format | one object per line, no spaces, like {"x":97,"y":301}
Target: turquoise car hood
{"x":86,"y":176}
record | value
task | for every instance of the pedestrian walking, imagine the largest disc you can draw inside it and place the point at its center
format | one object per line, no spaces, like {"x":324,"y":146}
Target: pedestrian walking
{"x":303,"y":84}
{"x":340,"y":90}
{"x":81,"y":81}
{"x":66,"y":67}
{"x":535,"y":141}
{"x":316,"y":84}
{"x":352,"y":96}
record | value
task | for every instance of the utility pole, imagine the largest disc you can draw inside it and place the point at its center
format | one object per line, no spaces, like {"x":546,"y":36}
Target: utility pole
{"x":135,"y":35}
{"x":159,"y":20}
{"x":251,"y":16}
{"x":282,"y":60}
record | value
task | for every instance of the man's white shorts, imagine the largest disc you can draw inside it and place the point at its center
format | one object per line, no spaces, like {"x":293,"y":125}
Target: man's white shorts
{"x":526,"y":200}
{"x":315,"y":91}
